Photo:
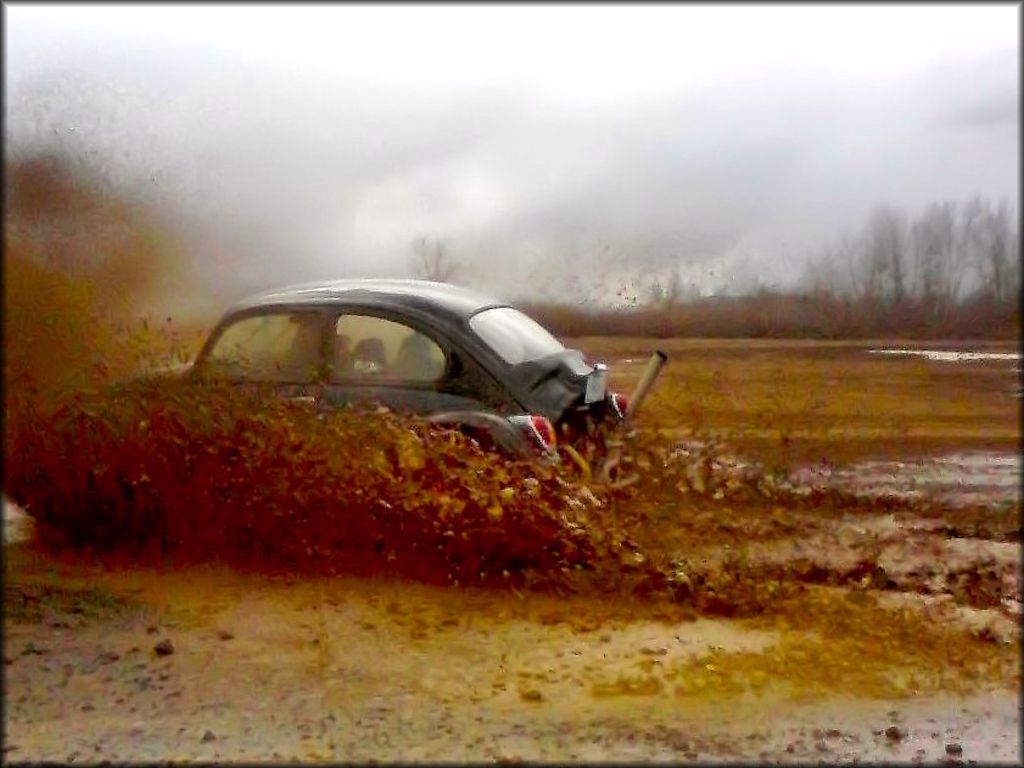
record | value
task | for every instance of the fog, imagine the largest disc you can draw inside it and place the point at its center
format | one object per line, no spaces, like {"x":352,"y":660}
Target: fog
{"x":556,"y":151}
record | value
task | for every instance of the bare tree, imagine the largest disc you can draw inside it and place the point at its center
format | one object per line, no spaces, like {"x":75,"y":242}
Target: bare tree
{"x":886,"y":254}
{"x":839,"y":268}
{"x":432,"y":259}
{"x":897,"y":274}
{"x":1014,"y":277}
{"x":993,"y":235}
{"x":969,"y":241}
{"x":934,"y":243}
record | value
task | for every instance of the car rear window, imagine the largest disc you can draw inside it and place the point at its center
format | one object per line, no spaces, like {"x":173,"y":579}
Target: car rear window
{"x":514,"y":336}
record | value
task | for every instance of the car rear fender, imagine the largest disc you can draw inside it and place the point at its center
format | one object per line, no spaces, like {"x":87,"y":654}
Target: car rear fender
{"x":497,"y":428}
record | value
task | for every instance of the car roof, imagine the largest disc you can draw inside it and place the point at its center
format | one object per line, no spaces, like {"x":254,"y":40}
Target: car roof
{"x":452,"y":299}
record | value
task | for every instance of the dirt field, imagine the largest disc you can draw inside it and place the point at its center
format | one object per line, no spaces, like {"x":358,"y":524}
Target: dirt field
{"x":791,"y":402}
{"x":917,"y":660}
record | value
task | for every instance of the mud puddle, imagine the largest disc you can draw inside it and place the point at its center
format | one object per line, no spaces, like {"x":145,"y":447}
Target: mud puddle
{"x":964,"y":479}
{"x":949,"y":355}
{"x":979,"y":478}
{"x":963,"y":356}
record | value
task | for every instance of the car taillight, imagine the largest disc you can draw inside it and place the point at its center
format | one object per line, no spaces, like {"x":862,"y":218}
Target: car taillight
{"x":545,"y":431}
{"x":539,"y":429}
{"x":619,"y":404}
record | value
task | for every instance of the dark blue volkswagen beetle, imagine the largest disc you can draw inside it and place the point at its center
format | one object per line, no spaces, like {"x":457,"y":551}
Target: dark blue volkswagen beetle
{"x":437,"y":350}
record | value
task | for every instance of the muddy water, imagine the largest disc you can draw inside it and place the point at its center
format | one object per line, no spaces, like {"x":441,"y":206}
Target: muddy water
{"x":949,"y":356}
{"x":958,"y":479}
{"x":989,"y":479}
{"x":962,"y":356}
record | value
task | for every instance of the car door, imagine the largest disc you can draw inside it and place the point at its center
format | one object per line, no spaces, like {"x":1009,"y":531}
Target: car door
{"x":385,"y":357}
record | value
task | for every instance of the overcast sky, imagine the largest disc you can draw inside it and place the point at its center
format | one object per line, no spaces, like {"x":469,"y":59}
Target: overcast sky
{"x":318,"y":141}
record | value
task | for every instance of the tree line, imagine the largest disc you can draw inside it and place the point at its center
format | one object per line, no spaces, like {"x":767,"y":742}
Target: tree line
{"x":952,"y":271}
{"x":951,"y":267}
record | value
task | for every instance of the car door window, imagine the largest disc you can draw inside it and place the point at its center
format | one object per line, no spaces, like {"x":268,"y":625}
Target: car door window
{"x":282,"y":347}
{"x":372,"y":350}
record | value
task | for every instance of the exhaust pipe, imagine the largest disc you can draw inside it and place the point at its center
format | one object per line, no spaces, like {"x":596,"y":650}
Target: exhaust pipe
{"x":654,"y":366}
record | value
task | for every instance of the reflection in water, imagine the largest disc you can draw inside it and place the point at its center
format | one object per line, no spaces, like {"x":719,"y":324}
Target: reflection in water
{"x":949,"y":356}
{"x":959,"y":479}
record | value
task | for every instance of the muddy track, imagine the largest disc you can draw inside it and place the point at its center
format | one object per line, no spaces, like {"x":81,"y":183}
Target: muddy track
{"x":210,"y":664}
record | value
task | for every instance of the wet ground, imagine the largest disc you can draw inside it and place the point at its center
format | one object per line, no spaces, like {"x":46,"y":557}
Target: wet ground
{"x":977,"y":478}
{"x":949,"y":355}
{"x":963,"y":356}
{"x":211,"y":664}
{"x":791,"y":403}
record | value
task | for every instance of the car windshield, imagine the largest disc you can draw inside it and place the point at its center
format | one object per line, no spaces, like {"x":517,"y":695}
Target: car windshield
{"x":513,"y":335}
